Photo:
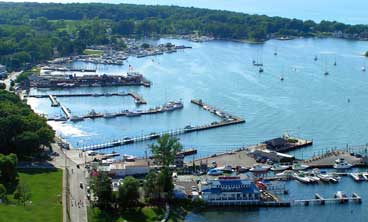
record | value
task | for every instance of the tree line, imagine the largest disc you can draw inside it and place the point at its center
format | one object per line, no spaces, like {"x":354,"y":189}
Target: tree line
{"x":22,"y":131}
{"x":34,"y":32}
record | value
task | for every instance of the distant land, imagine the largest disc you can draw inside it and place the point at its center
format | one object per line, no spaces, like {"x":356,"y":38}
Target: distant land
{"x":35,"y":32}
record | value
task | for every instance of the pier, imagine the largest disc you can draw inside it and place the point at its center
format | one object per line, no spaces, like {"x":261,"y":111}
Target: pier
{"x":61,"y":69}
{"x":318,"y":199}
{"x":226,"y":120}
{"x":54,"y":102}
{"x":66,"y":112}
{"x":137,"y":98}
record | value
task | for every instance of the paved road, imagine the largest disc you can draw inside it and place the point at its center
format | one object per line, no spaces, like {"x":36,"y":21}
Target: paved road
{"x":77,"y":202}
{"x":11,"y":76}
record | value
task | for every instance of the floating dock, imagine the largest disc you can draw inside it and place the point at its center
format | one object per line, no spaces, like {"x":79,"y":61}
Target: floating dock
{"x":318,"y":199}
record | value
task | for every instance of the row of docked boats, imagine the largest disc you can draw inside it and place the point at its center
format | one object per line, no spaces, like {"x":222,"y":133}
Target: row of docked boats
{"x":314,"y":176}
{"x":168,"y":107}
{"x":359,"y":176}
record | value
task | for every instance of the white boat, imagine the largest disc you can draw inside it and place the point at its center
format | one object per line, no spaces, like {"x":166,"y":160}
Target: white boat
{"x":341,"y":164}
{"x":214,"y":172}
{"x":259,"y":168}
{"x":358,"y":177}
{"x":278,"y":167}
{"x":365,"y":175}
{"x":287,"y":175}
{"x":225,"y":169}
{"x":301,"y":177}
{"x":313,"y":177}
{"x":76,"y":118}
{"x":363,"y":68}
{"x":341,"y":196}
{"x":299,"y":166}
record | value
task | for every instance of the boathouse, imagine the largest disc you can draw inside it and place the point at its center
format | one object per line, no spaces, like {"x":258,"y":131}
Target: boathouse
{"x":230,"y":191}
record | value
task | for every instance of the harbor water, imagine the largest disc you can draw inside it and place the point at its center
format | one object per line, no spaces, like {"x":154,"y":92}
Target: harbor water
{"x":330,"y":109}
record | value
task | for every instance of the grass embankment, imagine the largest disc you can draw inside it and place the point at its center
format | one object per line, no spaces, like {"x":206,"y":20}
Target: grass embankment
{"x":92,"y":52}
{"x":46,"y":189}
{"x":144,"y":214}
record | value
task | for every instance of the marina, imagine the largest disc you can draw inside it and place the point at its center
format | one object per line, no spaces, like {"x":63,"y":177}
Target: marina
{"x":226,"y":120}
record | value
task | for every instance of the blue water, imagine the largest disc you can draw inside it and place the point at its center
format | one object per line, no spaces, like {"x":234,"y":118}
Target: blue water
{"x":307,"y":104}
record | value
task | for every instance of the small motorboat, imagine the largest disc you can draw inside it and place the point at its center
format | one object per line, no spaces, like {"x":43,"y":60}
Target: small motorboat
{"x":358,"y":177}
{"x":225,"y":169}
{"x":341,"y":196}
{"x":287,"y":175}
{"x":299,"y":166}
{"x":301,"y":177}
{"x":278,"y":167}
{"x":257,"y":168}
{"x":241,"y":169}
{"x":214,"y":172}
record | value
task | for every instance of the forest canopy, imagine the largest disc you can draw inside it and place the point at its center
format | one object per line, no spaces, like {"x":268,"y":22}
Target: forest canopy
{"x":34,"y":32}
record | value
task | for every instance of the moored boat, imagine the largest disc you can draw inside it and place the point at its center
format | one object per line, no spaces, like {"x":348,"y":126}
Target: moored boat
{"x":259,"y":168}
{"x":278,"y":167}
{"x":299,"y":166}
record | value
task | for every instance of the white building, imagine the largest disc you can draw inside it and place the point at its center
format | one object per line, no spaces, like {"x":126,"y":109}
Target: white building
{"x":230,"y":191}
{"x":122,"y":169}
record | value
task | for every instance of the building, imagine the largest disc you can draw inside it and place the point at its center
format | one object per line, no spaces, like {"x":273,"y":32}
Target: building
{"x":230,"y":191}
{"x":122,"y":169}
{"x":2,"y":72}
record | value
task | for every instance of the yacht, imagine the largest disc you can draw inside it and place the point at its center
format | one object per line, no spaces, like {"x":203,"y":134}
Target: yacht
{"x":313,"y":177}
{"x":134,"y":113}
{"x":278,"y":167}
{"x":225,"y":169}
{"x":259,"y":168}
{"x":299,"y":166}
{"x":341,"y":164}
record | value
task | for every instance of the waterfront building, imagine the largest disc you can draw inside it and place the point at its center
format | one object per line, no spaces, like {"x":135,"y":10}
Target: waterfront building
{"x":230,"y":191}
{"x":122,"y":169}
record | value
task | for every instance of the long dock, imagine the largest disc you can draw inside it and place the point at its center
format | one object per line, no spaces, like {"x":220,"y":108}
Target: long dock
{"x":318,"y":199}
{"x":226,"y":120}
{"x":54,"y":102}
{"x":137,"y":98}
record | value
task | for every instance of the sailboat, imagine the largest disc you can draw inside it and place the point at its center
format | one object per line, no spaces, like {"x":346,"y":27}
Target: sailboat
{"x":257,"y":62}
{"x":315,"y":58}
{"x":335,"y":64}
{"x":275,"y":52}
{"x":326,"y":71}
{"x":363,"y":67}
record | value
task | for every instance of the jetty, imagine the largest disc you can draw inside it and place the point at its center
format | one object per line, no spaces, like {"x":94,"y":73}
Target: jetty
{"x":327,"y":159}
{"x":139,"y":100}
{"x":226,"y":120}
{"x":66,"y":112}
{"x":54,"y":102}
{"x":63,"y":69}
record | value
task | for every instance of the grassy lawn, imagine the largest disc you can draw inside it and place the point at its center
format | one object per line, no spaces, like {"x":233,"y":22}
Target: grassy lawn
{"x":45,"y":186}
{"x":92,"y":52}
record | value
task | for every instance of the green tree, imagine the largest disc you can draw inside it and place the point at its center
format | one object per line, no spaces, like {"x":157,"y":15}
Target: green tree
{"x":166,"y":149}
{"x":22,"y":193}
{"x":101,"y":187}
{"x":8,"y":169}
{"x":128,"y":192}
{"x":3,"y":192}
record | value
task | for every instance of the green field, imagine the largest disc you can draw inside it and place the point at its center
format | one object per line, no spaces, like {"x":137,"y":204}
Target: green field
{"x":144,"y":214}
{"x":45,"y":186}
